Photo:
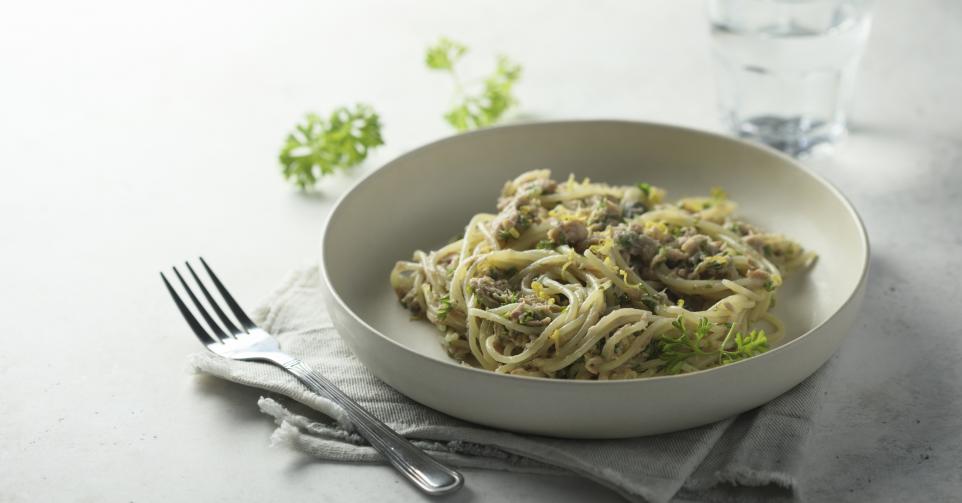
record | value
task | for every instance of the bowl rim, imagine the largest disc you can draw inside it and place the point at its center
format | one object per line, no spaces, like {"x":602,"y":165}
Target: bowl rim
{"x":499,"y":129}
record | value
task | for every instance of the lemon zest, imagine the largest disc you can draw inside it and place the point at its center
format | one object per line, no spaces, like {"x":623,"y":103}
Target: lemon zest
{"x":538,"y":289}
{"x":658,"y":225}
{"x":556,"y":338}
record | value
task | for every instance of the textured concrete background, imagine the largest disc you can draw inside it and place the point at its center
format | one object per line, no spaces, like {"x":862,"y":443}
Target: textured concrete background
{"x":135,"y":134}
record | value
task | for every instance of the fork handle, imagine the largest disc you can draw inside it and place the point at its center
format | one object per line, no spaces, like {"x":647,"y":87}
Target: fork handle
{"x":425,"y":472}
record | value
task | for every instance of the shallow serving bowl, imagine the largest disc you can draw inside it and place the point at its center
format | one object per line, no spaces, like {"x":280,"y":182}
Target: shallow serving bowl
{"x":423,"y":198}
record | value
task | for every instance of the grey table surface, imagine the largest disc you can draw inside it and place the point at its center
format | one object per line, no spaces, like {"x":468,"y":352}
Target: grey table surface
{"x":133,"y":135}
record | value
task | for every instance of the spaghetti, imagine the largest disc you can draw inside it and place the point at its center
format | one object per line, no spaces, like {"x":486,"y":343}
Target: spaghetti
{"x":582,"y":280}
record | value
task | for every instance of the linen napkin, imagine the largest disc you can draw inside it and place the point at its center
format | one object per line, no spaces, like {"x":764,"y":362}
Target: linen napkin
{"x":752,"y":457}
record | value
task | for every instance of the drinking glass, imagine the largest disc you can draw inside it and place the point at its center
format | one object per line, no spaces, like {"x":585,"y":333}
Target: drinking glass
{"x":785,"y":69}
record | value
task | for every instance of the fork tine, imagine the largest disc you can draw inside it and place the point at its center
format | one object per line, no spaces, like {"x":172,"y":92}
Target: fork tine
{"x":213,"y":303}
{"x":231,"y":303}
{"x":202,"y":334}
{"x":214,"y":327}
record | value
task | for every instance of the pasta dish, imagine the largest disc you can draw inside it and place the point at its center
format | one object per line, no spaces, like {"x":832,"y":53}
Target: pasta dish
{"x":582,"y":280}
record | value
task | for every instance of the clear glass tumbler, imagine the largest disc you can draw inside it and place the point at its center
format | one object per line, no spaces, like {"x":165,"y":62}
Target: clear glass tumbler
{"x":785,"y":69}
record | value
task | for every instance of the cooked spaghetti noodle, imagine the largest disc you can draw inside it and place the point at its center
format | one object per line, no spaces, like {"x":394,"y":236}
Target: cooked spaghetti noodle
{"x":581,"y":280}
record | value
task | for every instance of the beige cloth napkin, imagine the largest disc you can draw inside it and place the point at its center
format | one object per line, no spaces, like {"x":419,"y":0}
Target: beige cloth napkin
{"x":753,"y":457}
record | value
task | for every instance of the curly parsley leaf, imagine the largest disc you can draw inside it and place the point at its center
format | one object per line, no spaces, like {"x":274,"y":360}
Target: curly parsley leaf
{"x":318,"y":146}
{"x":676,"y":350}
{"x":487,"y":105}
{"x":445,"y":54}
{"x":754,"y":343}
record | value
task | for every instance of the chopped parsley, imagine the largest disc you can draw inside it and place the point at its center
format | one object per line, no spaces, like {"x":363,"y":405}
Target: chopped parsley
{"x":650,"y":302}
{"x":444,"y":307}
{"x":645,"y":188}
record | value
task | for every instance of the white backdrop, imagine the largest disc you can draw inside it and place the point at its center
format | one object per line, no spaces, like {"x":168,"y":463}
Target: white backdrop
{"x":136,"y":134}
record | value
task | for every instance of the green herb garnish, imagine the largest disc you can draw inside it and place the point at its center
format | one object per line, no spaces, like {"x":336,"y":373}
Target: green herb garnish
{"x":484,"y":108}
{"x":675,"y":351}
{"x":444,"y":307}
{"x":445,"y":54}
{"x":317,"y":147}
{"x":650,"y":302}
{"x":754,"y":343}
{"x":645,"y":188}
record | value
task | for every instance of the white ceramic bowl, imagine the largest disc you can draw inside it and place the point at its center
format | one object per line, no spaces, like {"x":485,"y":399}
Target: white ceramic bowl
{"x":421,"y":199}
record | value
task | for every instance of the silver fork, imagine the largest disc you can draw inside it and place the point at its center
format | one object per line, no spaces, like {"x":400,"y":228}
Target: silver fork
{"x":250,"y":342}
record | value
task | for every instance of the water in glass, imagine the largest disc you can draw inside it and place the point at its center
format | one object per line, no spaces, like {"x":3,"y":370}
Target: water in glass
{"x":785,"y":69}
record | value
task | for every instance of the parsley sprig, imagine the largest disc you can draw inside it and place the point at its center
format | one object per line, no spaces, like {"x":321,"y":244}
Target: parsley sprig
{"x":677,"y":350}
{"x":318,"y":146}
{"x":483,"y":108}
{"x":755,"y":343}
